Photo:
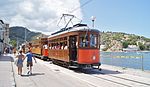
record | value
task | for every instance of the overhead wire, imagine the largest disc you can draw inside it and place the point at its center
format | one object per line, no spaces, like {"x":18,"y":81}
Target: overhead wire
{"x":87,"y":2}
{"x":81,"y":6}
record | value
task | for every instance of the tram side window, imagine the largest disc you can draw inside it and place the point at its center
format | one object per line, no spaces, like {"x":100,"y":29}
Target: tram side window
{"x":93,"y":40}
{"x":45,"y":46}
{"x":65,"y":45}
{"x":83,"y":41}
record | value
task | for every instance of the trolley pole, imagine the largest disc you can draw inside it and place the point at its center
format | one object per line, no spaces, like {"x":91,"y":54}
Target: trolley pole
{"x":93,"y":18}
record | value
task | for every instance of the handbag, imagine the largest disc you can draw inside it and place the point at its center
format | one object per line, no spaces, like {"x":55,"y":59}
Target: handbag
{"x":16,"y":61}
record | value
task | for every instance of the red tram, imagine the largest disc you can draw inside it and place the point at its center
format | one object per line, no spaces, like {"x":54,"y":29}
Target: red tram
{"x":75,"y":46}
{"x":71,"y":46}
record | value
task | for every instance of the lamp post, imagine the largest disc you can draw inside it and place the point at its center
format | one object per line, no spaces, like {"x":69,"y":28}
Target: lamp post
{"x":25,"y":36}
{"x":93,"y":18}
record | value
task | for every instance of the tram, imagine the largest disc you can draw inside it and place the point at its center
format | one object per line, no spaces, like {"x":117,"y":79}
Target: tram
{"x":39,"y":47}
{"x":75,"y":46}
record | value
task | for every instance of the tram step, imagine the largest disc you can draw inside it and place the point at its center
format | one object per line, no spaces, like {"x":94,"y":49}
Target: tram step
{"x":75,"y":61}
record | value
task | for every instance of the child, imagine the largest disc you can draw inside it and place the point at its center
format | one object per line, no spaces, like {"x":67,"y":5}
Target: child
{"x":29,"y":56}
{"x":20,"y":60}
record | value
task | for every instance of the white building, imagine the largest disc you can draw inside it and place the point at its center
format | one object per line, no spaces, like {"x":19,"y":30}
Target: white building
{"x":102,"y":47}
{"x":131,"y":48}
{"x":1,"y":36}
{"x":4,"y":36}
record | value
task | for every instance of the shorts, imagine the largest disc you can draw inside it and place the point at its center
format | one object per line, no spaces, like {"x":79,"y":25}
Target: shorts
{"x":20,"y":65}
{"x":29,"y":64}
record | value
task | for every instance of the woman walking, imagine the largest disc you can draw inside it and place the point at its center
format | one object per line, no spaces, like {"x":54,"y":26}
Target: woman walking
{"x":21,"y":58}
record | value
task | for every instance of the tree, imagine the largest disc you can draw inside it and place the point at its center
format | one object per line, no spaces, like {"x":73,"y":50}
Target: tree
{"x":13,"y":43}
{"x":147,"y":47}
{"x":141,"y":46}
{"x":125,"y":44}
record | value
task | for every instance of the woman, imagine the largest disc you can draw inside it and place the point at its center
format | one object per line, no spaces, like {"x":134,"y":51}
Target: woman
{"x":21,"y":58}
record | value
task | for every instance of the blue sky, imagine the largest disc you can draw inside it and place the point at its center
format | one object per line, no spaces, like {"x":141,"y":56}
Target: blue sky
{"x":129,"y":16}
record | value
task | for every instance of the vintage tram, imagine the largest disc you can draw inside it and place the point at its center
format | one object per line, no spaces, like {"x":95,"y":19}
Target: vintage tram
{"x":39,"y":47}
{"x":75,"y":46}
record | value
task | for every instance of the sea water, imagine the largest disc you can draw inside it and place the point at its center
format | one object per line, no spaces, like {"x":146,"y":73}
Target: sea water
{"x":137,"y":60}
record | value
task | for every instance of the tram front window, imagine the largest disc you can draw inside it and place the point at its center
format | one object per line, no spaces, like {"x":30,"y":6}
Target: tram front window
{"x":83,"y":41}
{"x":93,"y":40}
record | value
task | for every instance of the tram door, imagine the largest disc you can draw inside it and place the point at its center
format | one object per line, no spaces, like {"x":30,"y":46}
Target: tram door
{"x":73,"y":48}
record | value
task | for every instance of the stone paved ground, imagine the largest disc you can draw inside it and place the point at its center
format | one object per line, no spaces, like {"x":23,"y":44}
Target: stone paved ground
{"x":6,"y":71}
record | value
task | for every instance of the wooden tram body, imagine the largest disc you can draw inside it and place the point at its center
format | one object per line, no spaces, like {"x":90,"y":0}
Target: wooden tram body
{"x":39,"y":48}
{"x":75,"y":46}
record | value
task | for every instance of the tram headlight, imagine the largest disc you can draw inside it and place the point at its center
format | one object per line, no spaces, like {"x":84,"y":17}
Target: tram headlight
{"x":94,"y":57}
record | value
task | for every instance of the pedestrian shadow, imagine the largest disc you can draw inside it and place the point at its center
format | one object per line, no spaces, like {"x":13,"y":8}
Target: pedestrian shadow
{"x":6,"y":58}
{"x":96,"y":71}
{"x":33,"y":74}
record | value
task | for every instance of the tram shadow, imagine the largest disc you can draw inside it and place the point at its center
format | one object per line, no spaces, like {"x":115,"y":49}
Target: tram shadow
{"x":96,"y":71}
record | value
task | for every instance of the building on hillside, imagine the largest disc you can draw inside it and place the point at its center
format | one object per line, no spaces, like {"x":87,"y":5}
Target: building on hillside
{"x":102,"y":47}
{"x":131,"y":48}
{"x":141,"y":41}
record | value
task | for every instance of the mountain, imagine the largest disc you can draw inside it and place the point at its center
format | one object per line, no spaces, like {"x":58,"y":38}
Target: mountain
{"x":17,"y":33}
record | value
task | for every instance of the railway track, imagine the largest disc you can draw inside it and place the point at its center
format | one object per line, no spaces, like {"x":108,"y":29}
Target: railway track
{"x":148,"y":84}
{"x":124,"y":81}
{"x":117,"y":79}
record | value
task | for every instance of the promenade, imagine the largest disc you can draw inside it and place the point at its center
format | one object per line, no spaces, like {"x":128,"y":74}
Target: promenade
{"x":6,"y":71}
{"x":46,"y":74}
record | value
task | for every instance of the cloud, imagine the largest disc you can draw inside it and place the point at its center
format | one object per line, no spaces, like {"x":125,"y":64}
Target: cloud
{"x":37,"y":15}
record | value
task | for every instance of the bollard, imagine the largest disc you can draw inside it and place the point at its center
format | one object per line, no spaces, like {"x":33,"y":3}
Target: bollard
{"x":142,"y":63}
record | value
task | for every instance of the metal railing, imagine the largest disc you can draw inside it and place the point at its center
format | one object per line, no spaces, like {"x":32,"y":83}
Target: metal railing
{"x":137,"y":60}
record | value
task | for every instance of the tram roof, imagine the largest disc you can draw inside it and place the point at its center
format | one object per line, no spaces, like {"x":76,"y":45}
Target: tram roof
{"x":77,"y":27}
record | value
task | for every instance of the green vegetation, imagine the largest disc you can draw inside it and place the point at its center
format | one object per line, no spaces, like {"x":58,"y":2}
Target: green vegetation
{"x":122,"y":40}
{"x":17,"y":34}
{"x":141,"y":46}
{"x":125,"y":44}
{"x":13,"y":43}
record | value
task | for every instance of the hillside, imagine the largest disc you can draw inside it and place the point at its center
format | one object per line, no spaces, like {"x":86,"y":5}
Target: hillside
{"x":116,"y":41}
{"x":18,"y":34}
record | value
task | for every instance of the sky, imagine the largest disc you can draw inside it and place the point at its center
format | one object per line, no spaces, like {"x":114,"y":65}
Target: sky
{"x":37,"y":15}
{"x":128,"y":16}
